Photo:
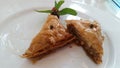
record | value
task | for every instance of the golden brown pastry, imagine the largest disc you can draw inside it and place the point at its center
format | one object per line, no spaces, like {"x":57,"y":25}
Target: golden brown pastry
{"x":52,"y":36}
{"x":90,"y":34}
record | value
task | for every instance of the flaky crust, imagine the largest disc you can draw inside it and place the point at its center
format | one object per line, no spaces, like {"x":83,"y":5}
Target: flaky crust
{"x":90,"y":34}
{"x":52,"y":35}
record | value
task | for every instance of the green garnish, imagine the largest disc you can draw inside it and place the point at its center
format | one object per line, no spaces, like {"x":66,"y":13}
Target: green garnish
{"x":55,"y":10}
{"x":58,"y":5}
{"x":44,"y":11}
{"x":67,"y":11}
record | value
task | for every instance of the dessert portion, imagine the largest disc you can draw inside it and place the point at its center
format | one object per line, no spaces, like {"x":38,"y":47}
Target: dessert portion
{"x":90,"y":34}
{"x":53,"y":35}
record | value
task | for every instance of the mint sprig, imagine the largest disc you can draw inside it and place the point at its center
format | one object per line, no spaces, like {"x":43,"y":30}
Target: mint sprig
{"x":55,"y":10}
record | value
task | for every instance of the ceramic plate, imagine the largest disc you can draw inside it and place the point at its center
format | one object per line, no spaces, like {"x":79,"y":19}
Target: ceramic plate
{"x":22,"y":23}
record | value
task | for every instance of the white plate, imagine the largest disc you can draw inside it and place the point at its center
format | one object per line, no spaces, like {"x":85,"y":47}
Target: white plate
{"x":20,"y":26}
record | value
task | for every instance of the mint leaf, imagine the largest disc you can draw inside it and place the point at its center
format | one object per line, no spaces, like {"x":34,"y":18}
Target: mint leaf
{"x":55,"y":10}
{"x":59,"y":4}
{"x":67,"y":11}
{"x":44,"y":11}
{"x":55,"y":3}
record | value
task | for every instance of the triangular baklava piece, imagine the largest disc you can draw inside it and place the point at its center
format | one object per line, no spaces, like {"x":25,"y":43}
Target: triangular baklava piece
{"x":90,"y":34}
{"x":53,"y":35}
